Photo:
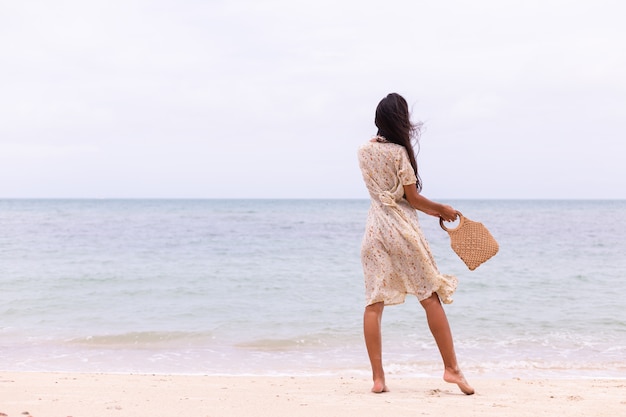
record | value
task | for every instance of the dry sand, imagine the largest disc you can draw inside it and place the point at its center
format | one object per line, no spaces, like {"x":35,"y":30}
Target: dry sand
{"x":24,"y":394}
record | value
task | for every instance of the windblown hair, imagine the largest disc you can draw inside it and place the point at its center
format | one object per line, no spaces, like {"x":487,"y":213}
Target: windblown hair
{"x":394,"y":124}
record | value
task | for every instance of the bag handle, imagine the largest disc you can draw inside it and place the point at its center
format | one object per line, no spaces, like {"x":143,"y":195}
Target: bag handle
{"x":461,"y":221}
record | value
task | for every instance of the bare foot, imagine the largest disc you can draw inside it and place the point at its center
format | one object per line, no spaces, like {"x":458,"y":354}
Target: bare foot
{"x":455,"y":376}
{"x":379,"y":387}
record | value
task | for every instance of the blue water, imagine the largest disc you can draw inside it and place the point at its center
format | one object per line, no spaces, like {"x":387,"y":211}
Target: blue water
{"x":276,"y":287}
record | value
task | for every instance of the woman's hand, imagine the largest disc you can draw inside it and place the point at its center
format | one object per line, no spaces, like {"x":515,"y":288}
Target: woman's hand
{"x":447,"y":213}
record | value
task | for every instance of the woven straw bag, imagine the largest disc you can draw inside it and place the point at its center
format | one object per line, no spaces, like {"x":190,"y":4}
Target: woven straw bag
{"x":471,"y":241}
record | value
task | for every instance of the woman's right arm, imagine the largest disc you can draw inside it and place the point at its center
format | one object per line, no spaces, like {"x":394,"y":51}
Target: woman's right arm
{"x":421,"y":203}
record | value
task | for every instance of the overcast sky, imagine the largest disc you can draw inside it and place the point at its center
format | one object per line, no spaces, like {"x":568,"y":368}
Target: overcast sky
{"x":270,"y":99}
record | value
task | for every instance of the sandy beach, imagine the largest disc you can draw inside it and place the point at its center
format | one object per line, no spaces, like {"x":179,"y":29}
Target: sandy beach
{"x":100,"y":395}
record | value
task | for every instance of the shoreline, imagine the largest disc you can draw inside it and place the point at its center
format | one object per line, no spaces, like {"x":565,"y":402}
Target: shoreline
{"x":49,"y":394}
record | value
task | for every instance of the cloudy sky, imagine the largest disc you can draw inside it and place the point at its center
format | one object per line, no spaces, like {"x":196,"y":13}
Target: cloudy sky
{"x":270,"y":99}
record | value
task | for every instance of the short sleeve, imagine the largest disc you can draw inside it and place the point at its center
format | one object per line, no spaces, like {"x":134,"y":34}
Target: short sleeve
{"x":405,"y":169}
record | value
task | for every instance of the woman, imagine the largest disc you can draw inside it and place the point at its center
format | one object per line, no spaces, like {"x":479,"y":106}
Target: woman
{"x":395,"y":256}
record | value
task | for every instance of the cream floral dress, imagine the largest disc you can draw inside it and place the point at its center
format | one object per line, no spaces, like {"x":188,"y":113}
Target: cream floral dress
{"x":395,"y":255}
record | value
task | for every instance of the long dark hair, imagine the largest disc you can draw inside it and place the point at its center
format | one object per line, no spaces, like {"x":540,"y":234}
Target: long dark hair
{"x":394,"y":124}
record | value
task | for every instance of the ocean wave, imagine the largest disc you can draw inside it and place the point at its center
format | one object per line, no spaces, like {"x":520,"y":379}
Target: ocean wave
{"x":144,"y":338}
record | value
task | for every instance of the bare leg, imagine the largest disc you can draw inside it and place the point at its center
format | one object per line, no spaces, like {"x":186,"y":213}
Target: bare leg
{"x":439,"y":327}
{"x":373,"y":341}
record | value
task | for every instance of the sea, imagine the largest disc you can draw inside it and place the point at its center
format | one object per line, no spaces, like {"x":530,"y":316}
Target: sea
{"x":275,"y":287}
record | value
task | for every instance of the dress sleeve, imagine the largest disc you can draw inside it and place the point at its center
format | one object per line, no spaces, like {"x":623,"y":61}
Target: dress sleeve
{"x":405,"y":170}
